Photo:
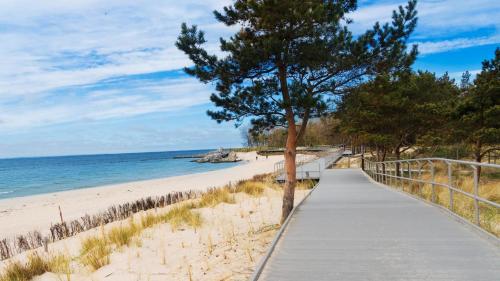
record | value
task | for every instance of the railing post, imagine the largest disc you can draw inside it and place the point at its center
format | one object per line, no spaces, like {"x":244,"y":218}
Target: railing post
{"x":419,"y":178}
{"x":410,"y":179}
{"x":394,"y":174}
{"x":383,"y":172}
{"x":377,"y":169}
{"x":450,"y":184}
{"x":386,"y":173}
{"x":363,"y":157}
{"x":433,"y":183}
{"x":402,"y":175}
{"x":476,"y":191}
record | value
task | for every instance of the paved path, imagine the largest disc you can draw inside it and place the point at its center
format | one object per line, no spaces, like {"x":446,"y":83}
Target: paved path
{"x":353,"y":229}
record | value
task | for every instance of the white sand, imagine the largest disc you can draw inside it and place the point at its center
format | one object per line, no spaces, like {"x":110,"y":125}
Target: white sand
{"x":231,"y":241}
{"x":23,"y":214}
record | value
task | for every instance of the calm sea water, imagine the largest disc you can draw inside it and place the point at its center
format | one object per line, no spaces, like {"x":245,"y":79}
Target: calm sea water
{"x":29,"y":176}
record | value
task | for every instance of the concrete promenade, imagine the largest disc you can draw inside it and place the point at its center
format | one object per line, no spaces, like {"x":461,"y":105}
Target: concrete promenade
{"x":353,"y":229}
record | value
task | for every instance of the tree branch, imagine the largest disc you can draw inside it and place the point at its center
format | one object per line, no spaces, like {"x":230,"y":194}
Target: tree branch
{"x":489,"y":149}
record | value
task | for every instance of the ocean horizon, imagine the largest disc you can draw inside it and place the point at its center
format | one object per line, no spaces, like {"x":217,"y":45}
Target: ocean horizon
{"x":27,"y":176}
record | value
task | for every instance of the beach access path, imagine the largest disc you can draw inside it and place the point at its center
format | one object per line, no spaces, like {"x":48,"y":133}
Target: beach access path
{"x":351,"y":228}
{"x":22,"y":214}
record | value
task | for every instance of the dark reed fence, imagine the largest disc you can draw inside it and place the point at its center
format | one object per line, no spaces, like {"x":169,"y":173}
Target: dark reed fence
{"x":65,"y":229}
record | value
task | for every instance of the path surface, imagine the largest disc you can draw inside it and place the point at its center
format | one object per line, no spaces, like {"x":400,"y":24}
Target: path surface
{"x":352,"y":229}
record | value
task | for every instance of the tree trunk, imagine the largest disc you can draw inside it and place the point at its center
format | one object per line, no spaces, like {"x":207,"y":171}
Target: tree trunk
{"x":290,"y":149}
{"x":291,"y":173}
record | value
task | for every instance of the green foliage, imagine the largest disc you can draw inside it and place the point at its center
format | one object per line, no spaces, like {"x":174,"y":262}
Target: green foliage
{"x":394,"y":112}
{"x":478,"y":110}
{"x":290,"y":56}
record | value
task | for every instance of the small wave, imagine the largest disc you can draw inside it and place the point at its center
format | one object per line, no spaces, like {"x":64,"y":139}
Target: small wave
{"x":6,"y":192}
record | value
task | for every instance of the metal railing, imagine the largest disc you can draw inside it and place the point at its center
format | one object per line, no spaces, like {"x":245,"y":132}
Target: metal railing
{"x":308,"y":167}
{"x":412,"y":170}
{"x":279,"y":167}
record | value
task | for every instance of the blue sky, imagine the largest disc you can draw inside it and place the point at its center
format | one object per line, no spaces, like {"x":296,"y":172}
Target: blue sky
{"x":90,"y":76}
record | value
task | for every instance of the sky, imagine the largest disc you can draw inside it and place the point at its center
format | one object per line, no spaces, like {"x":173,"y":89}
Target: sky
{"x":92,"y":76}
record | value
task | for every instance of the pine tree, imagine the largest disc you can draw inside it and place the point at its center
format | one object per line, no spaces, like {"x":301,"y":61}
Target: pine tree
{"x":393,"y":113}
{"x":478,"y":110}
{"x":289,"y":60}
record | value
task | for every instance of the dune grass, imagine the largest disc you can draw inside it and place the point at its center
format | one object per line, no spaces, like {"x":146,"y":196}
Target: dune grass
{"x":122,"y":235}
{"x":251,"y":187}
{"x":148,"y":220}
{"x":214,"y":197}
{"x":94,"y":252}
{"x":183,"y":215}
{"x":35,"y":265}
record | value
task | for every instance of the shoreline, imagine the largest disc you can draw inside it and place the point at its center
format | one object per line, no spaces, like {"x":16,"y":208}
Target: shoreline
{"x":243,"y":162}
{"x":37,"y":212}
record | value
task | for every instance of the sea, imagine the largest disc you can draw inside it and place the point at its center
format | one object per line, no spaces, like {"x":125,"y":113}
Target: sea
{"x":39,"y":175}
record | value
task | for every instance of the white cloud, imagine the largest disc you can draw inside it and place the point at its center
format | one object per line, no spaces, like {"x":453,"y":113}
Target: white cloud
{"x":134,"y":36}
{"x":440,"y":22}
{"x":435,"y":16}
{"x":48,"y":46}
{"x":132,"y":100}
{"x":459,"y":43}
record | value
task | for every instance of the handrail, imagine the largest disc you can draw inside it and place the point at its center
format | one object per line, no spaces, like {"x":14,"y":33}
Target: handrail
{"x":279,"y":166}
{"x":442,"y":159}
{"x":323,"y":162}
{"x":388,"y":171}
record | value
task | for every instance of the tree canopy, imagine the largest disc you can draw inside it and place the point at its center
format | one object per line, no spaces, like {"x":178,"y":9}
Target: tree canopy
{"x":478,"y":109}
{"x":394,"y":112}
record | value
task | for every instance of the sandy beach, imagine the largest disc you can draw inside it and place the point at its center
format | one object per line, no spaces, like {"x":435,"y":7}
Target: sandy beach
{"x":221,"y":235}
{"x":23,"y":214}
